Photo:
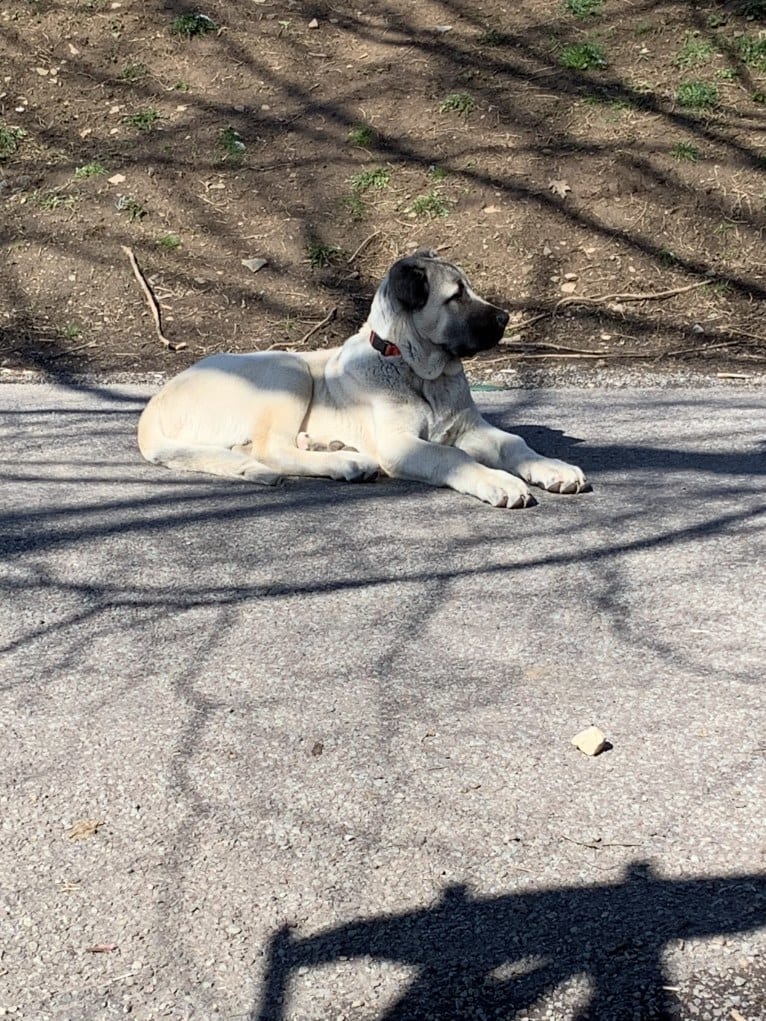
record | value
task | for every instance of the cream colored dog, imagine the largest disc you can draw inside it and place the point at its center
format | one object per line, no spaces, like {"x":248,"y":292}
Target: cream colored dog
{"x":394,"y":398}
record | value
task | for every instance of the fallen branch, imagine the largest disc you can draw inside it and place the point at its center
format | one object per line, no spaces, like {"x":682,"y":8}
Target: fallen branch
{"x":362,"y":247}
{"x":315,"y":329}
{"x":602,"y":299}
{"x":151,"y":301}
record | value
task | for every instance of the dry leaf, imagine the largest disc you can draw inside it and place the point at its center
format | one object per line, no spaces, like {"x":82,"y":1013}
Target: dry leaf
{"x":101,"y":948}
{"x":84,"y":828}
{"x":559,"y":187}
{"x":317,"y":748}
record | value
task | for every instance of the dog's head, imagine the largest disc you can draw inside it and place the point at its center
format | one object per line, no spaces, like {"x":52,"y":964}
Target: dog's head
{"x":426,"y":306}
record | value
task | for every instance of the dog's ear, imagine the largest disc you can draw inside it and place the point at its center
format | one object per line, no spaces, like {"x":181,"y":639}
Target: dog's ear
{"x":408,"y":282}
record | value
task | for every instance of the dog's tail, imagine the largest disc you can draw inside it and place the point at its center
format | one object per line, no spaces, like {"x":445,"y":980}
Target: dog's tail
{"x":198,"y":457}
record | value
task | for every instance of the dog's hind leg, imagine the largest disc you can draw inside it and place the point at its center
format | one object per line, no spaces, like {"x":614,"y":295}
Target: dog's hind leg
{"x":231,"y":464}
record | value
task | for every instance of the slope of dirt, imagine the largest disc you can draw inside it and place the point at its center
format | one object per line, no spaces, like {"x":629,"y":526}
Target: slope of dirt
{"x":558,"y":151}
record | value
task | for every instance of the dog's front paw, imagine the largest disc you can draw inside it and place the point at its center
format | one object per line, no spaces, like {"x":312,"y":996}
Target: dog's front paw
{"x":358,"y":468}
{"x":555,"y":476}
{"x":500,"y":489}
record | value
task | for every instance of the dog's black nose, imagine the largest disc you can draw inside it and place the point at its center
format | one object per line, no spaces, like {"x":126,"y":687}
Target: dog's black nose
{"x":502,"y":319}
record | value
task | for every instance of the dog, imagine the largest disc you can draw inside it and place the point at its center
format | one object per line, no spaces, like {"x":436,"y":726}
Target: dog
{"x":393,"y":399}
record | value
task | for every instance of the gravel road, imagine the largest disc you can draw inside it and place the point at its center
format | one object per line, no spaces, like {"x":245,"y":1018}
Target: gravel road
{"x":303,"y":754}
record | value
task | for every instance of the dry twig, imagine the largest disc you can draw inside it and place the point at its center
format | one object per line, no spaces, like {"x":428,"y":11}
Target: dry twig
{"x":151,"y":301}
{"x":362,"y":247}
{"x":330,"y":317}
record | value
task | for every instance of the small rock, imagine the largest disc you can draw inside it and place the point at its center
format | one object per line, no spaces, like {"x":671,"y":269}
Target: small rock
{"x":313,"y":23}
{"x":117,"y":179}
{"x":569,"y":287}
{"x":254,"y":264}
{"x":570,"y":276}
{"x":233,"y":930}
{"x":590,"y":741}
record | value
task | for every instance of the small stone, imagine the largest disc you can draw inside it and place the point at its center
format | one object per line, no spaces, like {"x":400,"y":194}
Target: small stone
{"x":117,"y":179}
{"x":313,"y":23}
{"x":590,"y":741}
{"x":254,"y":264}
{"x":570,"y":276}
{"x":569,"y":287}
{"x":233,"y":930}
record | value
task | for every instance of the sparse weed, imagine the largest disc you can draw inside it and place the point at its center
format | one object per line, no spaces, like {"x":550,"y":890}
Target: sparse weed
{"x":727,"y":74}
{"x":697,"y":95}
{"x":491,"y":37}
{"x":753,"y":52}
{"x":168,"y":242}
{"x":10,"y":139}
{"x":694,"y":52}
{"x":459,"y":102}
{"x":355,"y":206}
{"x":181,"y":86}
{"x":583,"y":56}
{"x":361,"y":134}
{"x":144,"y":120}
{"x":89,"y":170}
{"x":190,"y":25}
{"x":321,"y":256}
{"x":134,"y":209}
{"x":134,"y":72}
{"x":431,"y":205}
{"x":437,"y":173}
{"x":55,"y":200}
{"x":685,"y":152}
{"x":377,"y":178}
{"x":71,"y":331}
{"x":584,"y":8}
{"x":230,"y":140}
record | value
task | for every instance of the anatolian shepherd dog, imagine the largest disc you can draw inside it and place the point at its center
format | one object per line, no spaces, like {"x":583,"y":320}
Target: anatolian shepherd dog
{"x":393,"y":399}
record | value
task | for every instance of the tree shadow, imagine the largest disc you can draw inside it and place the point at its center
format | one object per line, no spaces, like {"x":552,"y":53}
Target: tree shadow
{"x":464,"y":948}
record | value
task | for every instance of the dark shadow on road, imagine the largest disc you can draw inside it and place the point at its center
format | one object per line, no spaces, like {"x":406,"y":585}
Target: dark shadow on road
{"x":478,"y":958}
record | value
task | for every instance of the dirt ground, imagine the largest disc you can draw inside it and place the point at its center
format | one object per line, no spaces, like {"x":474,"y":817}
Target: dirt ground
{"x":571,"y":155}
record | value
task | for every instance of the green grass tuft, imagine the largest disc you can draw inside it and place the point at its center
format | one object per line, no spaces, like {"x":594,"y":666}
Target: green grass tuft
{"x":231,"y":142}
{"x":377,"y":178}
{"x":90,"y":170}
{"x":361,"y":134}
{"x":584,"y":8}
{"x":583,"y":56}
{"x":190,"y":25}
{"x":431,"y":205}
{"x":168,"y":242}
{"x":321,"y":256}
{"x":10,"y":140}
{"x":685,"y":151}
{"x":694,"y":52}
{"x":697,"y":95}
{"x":458,"y":102}
{"x":144,"y":120}
{"x":134,"y":72}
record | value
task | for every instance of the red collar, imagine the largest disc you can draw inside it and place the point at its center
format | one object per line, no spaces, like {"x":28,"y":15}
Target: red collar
{"x":383,"y":346}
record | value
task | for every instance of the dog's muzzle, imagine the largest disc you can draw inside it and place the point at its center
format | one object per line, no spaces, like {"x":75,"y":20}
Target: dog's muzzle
{"x":482,"y":331}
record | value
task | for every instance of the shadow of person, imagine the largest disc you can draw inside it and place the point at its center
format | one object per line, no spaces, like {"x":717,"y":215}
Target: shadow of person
{"x":463,"y":948}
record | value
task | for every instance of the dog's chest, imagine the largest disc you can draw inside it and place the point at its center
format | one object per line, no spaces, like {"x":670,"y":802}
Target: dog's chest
{"x":446,"y":402}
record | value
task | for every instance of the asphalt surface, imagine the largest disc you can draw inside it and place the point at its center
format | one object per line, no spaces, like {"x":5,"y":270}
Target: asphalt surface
{"x":324,"y":729}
